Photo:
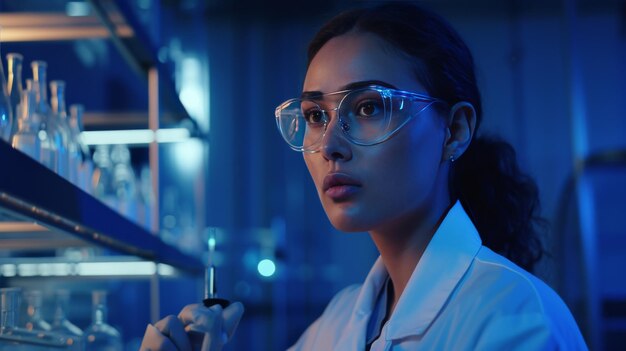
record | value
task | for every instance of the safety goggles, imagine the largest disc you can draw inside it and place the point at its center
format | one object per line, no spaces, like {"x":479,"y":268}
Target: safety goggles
{"x":365,"y":116}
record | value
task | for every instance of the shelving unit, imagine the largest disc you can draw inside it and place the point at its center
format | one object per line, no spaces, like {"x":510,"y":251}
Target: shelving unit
{"x":30,"y":199}
{"x":41,"y":213}
{"x":112,"y":20}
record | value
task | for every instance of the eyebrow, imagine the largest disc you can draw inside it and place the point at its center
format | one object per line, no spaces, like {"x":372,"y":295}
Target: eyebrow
{"x":350,"y":86}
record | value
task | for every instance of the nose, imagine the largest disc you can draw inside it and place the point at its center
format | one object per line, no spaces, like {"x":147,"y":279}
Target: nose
{"x":335,"y":146}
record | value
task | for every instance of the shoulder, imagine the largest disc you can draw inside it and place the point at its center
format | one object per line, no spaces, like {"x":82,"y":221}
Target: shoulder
{"x":517,"y":300}
{"x":339,"y":310}
{"x":499,"y":277}
{"x":344,"y":298}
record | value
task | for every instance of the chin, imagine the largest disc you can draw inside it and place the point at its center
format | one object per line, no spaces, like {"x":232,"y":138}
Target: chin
{"x":348,"y":224}
{"x":348,"y":216}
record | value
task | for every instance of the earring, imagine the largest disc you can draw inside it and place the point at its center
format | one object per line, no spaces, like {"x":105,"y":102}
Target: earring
{"x":452,"y":159}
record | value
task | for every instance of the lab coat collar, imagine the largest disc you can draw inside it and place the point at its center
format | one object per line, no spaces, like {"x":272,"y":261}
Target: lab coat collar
{"x":443,"y":264}
{"x":354,"y":337}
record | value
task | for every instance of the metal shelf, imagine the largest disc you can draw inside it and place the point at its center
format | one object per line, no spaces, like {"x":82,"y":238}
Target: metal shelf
{"x":35,"y":27}
{"x":52,"y":232}
{"x":54,"y":213}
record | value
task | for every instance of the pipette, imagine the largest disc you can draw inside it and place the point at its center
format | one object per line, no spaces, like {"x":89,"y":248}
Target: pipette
{"x":210,"y":291}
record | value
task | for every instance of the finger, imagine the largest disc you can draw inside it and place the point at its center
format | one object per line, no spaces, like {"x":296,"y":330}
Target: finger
{"x":207,"y":323}
{"x":232,"y":315}
{"x":153,"y":340}
{"x":191,"y":313}
{"x":186,"y":314}
{"x":203,"y":319}
{"x":172,"y":328}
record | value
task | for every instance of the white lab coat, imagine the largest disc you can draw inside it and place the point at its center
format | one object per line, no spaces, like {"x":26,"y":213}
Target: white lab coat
{"x":461,"y":296}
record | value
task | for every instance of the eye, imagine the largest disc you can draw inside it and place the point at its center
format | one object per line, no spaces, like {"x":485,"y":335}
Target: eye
{"x":368,"y":109}
{"x":313,"y":116}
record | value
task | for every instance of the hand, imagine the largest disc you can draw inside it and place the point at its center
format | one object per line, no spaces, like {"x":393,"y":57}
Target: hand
{"x":196,"y":328}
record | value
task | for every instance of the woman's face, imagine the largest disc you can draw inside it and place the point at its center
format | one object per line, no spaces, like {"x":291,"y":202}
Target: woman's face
{"x":378,"y":187}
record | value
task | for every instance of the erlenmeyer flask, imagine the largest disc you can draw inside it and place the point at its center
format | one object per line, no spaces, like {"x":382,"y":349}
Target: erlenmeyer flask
{"x":34,"y":321}
{"x":57,"y":100}
{"x":14,"y":84}
{"x":55,"y":151}
{"x":6,"y":113}
{"x":60,"y":323}
{"x":100,"y":336}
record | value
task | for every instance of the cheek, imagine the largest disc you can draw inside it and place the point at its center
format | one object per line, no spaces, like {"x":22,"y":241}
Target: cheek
{"x":315,"y":170}
{"x":410,"y":165}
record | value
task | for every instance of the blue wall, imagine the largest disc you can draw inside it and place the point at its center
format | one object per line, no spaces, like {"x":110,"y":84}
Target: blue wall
{"x":541,"y":71}
{"x":526,"y":69}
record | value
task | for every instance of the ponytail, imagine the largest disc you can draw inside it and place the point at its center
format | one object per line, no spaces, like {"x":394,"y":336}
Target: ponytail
{"x":502,"y":201}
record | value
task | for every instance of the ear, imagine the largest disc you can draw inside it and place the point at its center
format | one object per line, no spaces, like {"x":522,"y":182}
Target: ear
{"x":460,"y":130}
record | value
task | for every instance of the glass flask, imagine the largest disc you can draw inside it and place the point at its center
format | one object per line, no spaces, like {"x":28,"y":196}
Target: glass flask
{"x":100,"y":336}
{"x":14,"y":338}
{"x":14,"y":84}
{"x":61,"y":324}
{"x":59,"y":113}
{"x":85,"y":167}
{"x":104,"y":187}
{"x":6,"y":113}
{"x":33,"y":320}
{"x":54,"y":150}
{"x":146,"y":197}
{"x":9,"y":308}
{"x":27,"y":138}
{"x":124,"y":181}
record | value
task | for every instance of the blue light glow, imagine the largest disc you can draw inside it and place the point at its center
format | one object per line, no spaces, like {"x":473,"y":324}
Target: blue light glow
{"x":266,"y":267}
{"x":77,"y":9}
{"x":211,"y":244}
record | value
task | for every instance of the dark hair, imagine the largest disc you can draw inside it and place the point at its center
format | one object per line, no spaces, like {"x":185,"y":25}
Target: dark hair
{"x":502,"y":201}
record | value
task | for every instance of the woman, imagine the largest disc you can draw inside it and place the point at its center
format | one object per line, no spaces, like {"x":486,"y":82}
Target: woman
{"x":387,"y":124}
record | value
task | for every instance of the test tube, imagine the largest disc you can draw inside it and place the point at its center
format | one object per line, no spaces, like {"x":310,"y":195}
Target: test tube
{"x":210,"y":290}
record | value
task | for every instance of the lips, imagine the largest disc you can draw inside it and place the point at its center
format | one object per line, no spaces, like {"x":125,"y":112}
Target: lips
{"x":340,"y":186}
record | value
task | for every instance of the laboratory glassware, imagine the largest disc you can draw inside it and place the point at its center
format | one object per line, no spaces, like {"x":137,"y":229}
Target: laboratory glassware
{"x":6,"y":113}
{"x":14,"y":338}
{"x":54,"y":150}
{"x":61,"y":323}
{"x":9,"y":310}
{"x":104,"y":188}
{"x":27,"y":139}
{"x":14,"y":85}
{"x":210,"y":290}
{"x":34,"y":321}
{"x":14,"y":80}
{"x":124,"y":181}
{"x":85,"y":167}
{"x":59,"y":113}
{"x":100,"y":336}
